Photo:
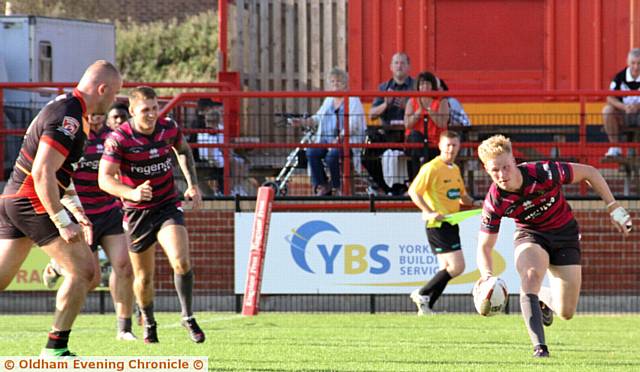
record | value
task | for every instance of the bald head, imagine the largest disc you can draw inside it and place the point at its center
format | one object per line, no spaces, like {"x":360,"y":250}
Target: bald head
{"x":99,"y":85}
{"x":100,"y":71}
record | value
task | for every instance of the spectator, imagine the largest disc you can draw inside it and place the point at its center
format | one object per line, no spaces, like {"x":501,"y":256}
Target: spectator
{"x":330,"y":129}
{"x":623,"y":110}
{"x":457,"y":116}
{"x":390,"y":110}
{"x":210,"y":117}
{"x":424,"y":118}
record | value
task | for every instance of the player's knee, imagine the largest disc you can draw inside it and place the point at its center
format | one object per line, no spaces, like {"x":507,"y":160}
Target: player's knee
{"x":566,"y":314}
{"x":532,"y":275}
{"x":95,"y":282}
{"x":83,"y":273}
{"x":456,"y":269}
{"x":123,"y":270}
{"x":144,"y":281}
{"x":181,"y":266}
{"x":4,"y":283}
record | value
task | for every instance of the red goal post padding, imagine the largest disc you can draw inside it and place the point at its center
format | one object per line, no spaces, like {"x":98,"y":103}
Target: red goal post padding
{"x":259,"y":232}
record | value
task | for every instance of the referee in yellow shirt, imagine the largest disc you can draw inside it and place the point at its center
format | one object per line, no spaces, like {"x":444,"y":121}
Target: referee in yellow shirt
{"x":438,"y":190}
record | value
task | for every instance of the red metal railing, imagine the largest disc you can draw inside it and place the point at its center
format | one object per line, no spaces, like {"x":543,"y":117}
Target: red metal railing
{"x":228,"y":91}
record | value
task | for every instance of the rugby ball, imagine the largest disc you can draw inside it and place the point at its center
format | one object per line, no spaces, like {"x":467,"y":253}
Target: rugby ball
{"x":490,"y":296}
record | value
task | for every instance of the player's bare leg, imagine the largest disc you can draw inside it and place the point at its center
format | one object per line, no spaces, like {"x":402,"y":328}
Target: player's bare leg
{"x":120,"y":282}
{"x":532,"y":262}
{"x":565,"y":289}
{"x":13,"y":252}
{"x":76,"y":260}
{"x":143,"y":265}
{"x":175,"y":242}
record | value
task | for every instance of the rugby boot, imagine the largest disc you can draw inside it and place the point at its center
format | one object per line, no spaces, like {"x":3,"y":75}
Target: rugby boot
{"x":195,"y":333}
{"x":540,"y":351}
{"x":151,"y":334}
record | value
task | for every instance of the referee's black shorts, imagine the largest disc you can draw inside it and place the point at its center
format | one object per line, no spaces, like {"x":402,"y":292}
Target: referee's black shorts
{"x":444,"y":239}
{"x":143,"y":224}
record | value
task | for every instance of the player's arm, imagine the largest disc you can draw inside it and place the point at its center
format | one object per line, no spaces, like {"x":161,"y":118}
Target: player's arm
{"x":72,"y":202}
{"x":619,"y":216}
{"x":188,"y":167}
{"x":486,"y":242}
{"x":45,"y":165}
{"x":109,"y":182}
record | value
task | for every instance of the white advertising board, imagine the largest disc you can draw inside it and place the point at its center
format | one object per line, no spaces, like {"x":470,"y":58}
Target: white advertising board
{"x":329,"y":253}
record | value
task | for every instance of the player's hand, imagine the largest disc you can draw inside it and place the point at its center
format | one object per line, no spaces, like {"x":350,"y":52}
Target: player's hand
{"x":86,"y":226}
{"x":621,"y":220}
{"x":193,"y":193}
{"x":429,"y":216}
{"x":70,"y":233}
{"x":143,"y":192}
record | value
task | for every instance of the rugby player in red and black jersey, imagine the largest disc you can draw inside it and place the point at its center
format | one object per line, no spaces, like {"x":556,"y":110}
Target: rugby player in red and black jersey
{"x":105,"y":213}
{"x":136,"y":166}
{"x":547,"y":238}
{"x":31,"y":209}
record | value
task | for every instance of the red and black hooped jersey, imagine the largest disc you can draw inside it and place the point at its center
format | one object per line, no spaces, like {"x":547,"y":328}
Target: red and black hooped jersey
{"x":60,"y":124}
{"x":539,"y":205}
{"x":85,"y":177}
{"x":145,"y":157}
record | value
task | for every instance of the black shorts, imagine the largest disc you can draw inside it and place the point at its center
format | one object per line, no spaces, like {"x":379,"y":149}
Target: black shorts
{"x":562,"y":245}
{"x":18,"y":219}
{"x":108,"y":223}
{"x":143,"y":224}
{"x":444,"y":239}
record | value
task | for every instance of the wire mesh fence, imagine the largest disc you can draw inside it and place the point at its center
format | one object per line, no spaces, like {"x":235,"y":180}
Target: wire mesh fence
{"x":267,"y":147}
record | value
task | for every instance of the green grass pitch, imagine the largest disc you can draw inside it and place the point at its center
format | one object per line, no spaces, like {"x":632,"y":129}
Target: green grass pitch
{"x":354,"y":342}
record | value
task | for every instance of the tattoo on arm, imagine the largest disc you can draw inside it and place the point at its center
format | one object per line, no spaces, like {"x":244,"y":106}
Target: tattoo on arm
{"x":187,"y":164}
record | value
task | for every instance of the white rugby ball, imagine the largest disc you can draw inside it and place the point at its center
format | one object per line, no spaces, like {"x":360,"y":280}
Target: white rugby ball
{"x":490,"y":296}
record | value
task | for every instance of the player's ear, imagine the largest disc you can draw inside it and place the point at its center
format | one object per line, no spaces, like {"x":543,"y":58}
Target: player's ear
{"x":102,"y":89}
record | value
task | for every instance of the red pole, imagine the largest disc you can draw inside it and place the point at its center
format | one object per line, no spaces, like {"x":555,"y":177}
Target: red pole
{"x":259,"y":233}
{"x":583,"y":139}
{"x":346,"y":149}
{"x":222,"y":33}
{"x":3,"y":140}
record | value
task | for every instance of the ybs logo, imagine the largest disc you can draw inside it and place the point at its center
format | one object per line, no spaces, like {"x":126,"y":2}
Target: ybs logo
{"x":356,"y":258}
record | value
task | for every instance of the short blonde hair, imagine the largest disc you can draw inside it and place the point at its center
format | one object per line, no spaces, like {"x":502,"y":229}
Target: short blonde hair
{"x":493,"y":147}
